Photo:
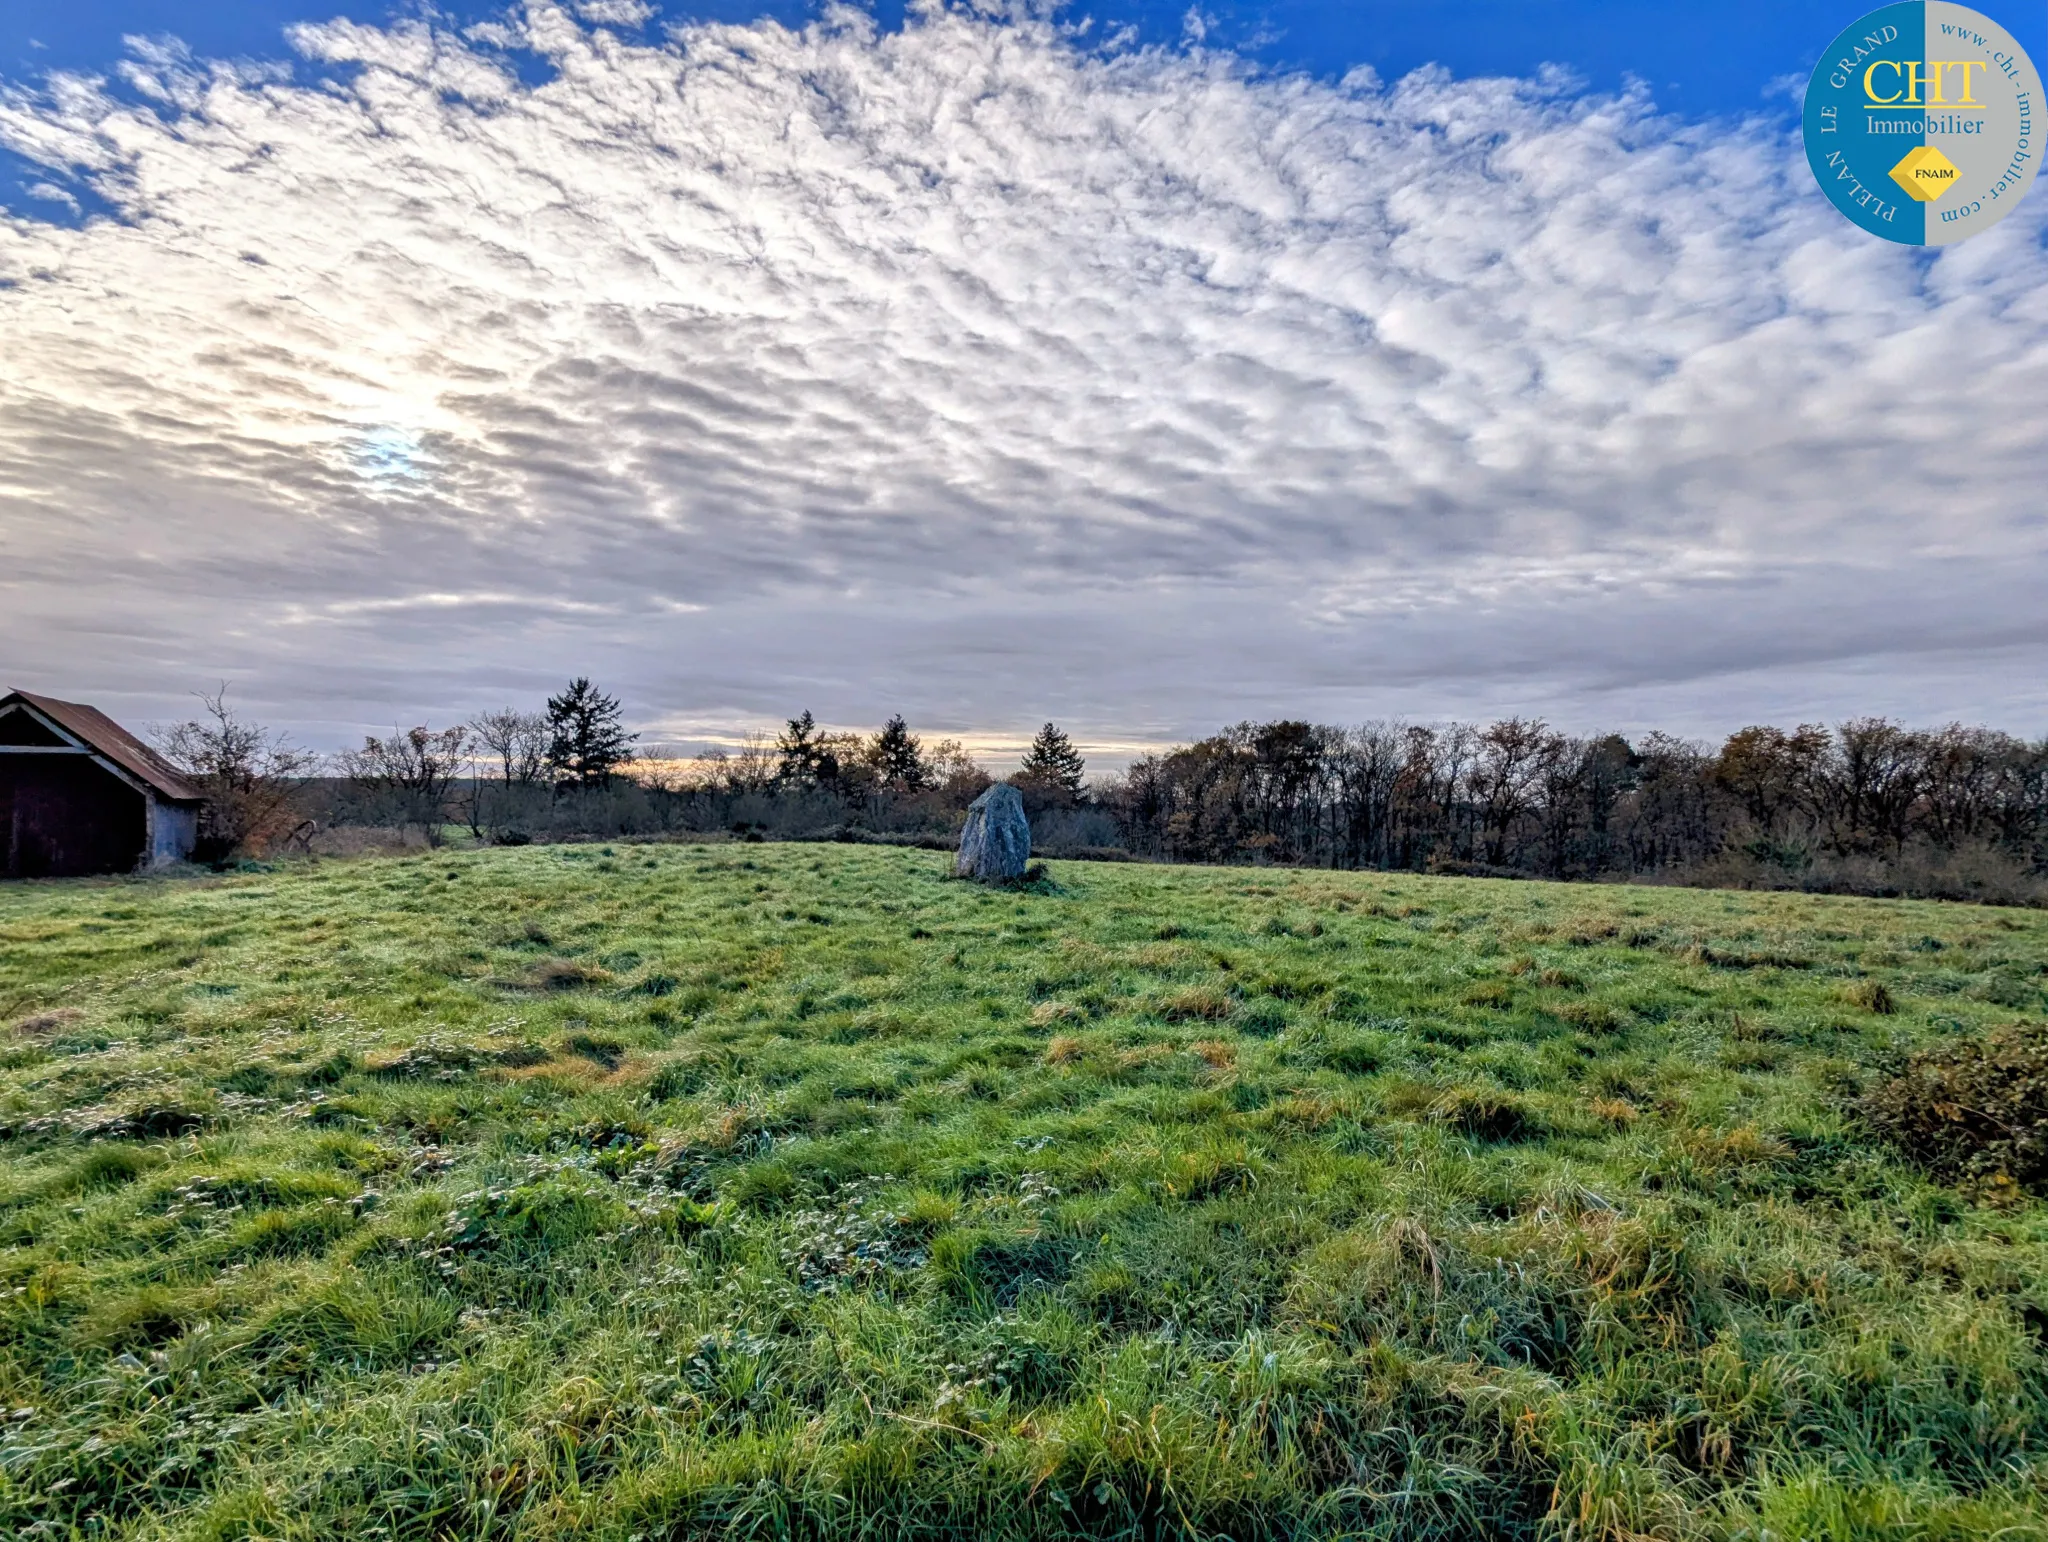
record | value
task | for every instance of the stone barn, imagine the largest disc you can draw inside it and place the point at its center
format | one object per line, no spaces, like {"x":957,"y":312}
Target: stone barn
{"x":80,"y":794}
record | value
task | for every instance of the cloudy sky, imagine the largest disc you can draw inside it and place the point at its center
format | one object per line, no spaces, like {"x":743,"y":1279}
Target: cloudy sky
{"x":1141,"y":367}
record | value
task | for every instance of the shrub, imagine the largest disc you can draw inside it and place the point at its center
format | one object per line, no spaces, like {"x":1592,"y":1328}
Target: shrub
{"x":1972,"y":1110}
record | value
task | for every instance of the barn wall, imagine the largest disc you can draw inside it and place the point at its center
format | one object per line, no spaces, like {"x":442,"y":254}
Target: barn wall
{"x":64,"y":816}
{"x":173,"y":828}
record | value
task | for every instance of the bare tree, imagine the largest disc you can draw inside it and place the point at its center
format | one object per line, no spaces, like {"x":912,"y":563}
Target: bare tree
{"x":1772,"y":775}
{"x":517,"y":741}
{"x":418,"y":765}
{"x":751,"y":767}
{"x":1506,"y":776}
{"x":1668,"y":818}
{"x":1563,"y":776}
{"x":1365,"y":777}
{"x":1876,"y":776}
{"x":954,"y":772}
{"x":250,"y":775}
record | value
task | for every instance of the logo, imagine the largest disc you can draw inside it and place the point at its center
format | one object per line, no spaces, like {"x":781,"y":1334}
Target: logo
{"x":1923,"y":122}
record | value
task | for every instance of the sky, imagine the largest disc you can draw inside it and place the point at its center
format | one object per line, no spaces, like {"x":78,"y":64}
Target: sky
{"x":1139,"y":367}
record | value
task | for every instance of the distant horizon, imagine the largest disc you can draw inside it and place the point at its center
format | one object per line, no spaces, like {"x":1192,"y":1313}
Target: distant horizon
{"x":997,"y":751}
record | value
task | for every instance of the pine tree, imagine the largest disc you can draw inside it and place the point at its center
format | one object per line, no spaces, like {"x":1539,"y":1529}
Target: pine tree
{"x":587,"y":738}
{"x":1052,"y":763}
{"x":898,"y":757}
{"x":804,"y":757}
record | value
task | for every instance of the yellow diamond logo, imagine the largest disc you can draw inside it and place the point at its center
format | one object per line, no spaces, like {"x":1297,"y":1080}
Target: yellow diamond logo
{"x":1925,"y":173}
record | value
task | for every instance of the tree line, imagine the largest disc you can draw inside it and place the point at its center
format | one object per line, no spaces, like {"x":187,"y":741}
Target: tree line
{"x":1866,"y":806}
{"x":573,"y":769}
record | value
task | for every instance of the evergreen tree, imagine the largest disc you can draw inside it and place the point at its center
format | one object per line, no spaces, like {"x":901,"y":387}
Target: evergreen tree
{"x":804,"y":757}
{"x":587,"y":738}
{"x":1052,"y":763}
{"x":898,"y":757}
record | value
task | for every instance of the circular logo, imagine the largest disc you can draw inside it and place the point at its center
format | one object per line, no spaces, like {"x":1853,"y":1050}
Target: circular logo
{"x":1924,"y":122}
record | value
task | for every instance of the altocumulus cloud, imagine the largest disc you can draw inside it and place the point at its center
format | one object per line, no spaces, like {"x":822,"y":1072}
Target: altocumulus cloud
{"x":989,"y":373}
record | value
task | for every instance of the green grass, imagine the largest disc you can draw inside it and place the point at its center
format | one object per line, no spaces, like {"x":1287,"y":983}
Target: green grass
{"x":800,"y":1191}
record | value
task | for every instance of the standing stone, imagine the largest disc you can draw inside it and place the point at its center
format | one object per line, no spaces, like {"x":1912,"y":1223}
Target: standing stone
{"x":995,"y":843}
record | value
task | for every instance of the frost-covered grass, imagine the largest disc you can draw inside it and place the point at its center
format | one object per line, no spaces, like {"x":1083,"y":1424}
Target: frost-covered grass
{"x":800,"y":1191}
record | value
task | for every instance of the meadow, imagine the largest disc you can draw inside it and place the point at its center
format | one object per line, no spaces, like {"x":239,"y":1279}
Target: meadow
{"x":667,"y":1191}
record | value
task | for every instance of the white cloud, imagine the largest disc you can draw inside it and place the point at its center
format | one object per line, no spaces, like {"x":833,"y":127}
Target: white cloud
{"x":616,"y":13}
{"x":981,"y":373}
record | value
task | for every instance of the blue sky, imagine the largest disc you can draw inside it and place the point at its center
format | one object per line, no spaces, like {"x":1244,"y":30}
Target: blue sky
{"x":962,"y":366}
{"x":1698,"y":59}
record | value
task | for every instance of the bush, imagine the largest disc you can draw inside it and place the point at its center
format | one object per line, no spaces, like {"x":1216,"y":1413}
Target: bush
{"x":1972,"y":1110}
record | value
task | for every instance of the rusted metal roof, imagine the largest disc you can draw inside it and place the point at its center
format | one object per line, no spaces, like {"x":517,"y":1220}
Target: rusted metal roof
{"x":97,"y":731}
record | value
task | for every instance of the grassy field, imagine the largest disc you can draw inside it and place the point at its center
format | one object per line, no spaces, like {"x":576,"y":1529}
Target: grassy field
{"x":650,"y":1192}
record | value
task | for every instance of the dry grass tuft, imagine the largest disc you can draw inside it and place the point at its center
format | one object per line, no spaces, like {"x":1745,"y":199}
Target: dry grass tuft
{"x":1618,"y":1112}
{"x":1593,"y":1016}
{"x":1200,"y":1003}
{"x":1870,"y":996}
{"x":1745,"y":1146}
{"x":1046,"y":1013}
{"x":38,"y":1024}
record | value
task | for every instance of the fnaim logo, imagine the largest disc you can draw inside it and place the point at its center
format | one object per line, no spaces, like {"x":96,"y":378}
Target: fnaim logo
{"x":1923,"y":122}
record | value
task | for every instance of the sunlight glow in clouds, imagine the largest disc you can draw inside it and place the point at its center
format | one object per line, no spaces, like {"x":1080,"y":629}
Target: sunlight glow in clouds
{"x":985,"y":374}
